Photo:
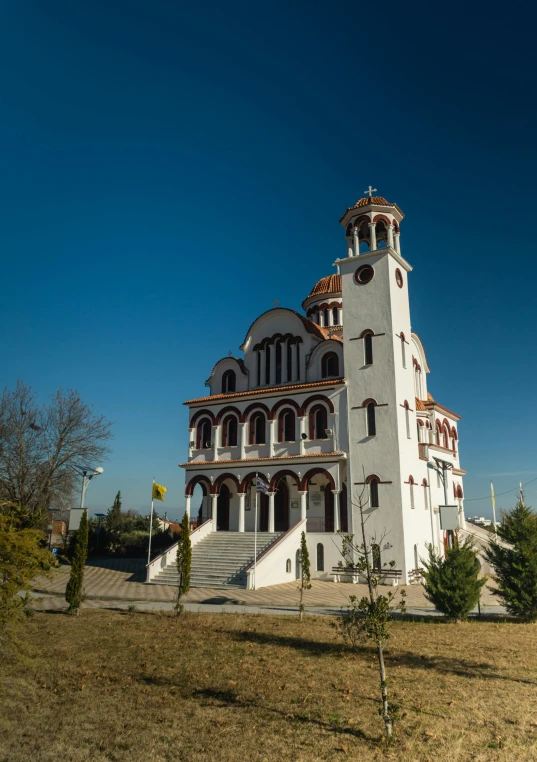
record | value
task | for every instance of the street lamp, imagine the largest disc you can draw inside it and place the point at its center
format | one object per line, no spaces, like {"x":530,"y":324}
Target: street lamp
{"x":87,"y":475}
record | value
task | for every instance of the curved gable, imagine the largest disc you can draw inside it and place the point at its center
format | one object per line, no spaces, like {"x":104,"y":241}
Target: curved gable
{"x":419,"y":352}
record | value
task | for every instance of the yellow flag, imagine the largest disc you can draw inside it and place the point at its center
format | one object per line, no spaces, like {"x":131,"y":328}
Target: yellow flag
{"x":158,"y":492}
{"x":492,"y":495}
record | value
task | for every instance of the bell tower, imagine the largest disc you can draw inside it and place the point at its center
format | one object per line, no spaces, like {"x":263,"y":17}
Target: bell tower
{"x":382,"y":445}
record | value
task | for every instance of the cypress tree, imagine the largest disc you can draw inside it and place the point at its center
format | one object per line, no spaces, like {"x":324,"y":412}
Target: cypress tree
{"x":184,"y":562}
{"x":74,"y":593}
{"x":113,"y":517}
{"x":305,"y":573}
{"x":452,"y":583}
{"x":515,"y":564}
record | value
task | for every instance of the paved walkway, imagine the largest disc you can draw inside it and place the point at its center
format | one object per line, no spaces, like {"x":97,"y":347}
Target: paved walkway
{"x":119,"y":583}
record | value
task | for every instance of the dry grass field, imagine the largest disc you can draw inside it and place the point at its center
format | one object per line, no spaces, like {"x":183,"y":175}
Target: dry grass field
{"x":148,"y":687}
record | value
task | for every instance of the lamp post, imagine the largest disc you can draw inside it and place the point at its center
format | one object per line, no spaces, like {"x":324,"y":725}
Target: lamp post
{"x":87,"y":475}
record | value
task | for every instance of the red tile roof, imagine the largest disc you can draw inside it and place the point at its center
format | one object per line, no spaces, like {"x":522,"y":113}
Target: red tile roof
{"x":264,"y":390}
{"x":370,"y":201}
{"x":420,"y":405}
{"x":202,"y":463}
{"x":330,"y":284}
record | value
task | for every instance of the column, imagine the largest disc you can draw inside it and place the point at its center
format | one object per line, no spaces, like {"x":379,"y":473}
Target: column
{"x":397,"y":242}
{"x":284,"y":361}
{"x":390,"y":235}
{"x":271,"y":511}
{"x":242,"y":500}
{"x":321,"y":318}
{"x":330,"y":317}
{"x":335,"y":493}
{"x":263,"y":353}
{"x":332,"y":425}
{"x":272,"y":437}
{"x":303,"y":504}
{"x":340,"y":316}
{"x":350,"y":250}
{"x":216,"y":440}
{"x":214,"y":498}
{"x":356,"y":241}
{"x":192,"y":438}
{"x":273,"y":364}
{"x":373,"y":236}
{"x":243,"y":433}
{"x":188,"y":498}
{"x":293,"y":362}
{"x":302,"y":430}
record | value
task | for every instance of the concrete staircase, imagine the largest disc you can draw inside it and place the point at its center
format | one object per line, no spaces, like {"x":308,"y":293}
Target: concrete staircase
{"x":220,"y":559}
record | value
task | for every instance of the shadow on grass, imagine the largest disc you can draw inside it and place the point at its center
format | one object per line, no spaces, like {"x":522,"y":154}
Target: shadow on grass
{"x":228,"y":698}
{"x":443,"y":664}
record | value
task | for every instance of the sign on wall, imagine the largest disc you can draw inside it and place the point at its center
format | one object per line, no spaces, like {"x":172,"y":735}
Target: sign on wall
{"x":449,"y":517}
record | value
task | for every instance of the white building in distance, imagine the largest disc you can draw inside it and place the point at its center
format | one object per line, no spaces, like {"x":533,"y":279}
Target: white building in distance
{"x":329,"y":406}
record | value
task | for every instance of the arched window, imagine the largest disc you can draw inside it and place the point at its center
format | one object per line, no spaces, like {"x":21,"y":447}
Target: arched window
{"x":257,"y":428}
{"x":382,"y":235}
{"x":368,"y":348}
{"x":318,"y":419}
{"x":229,"y":381}
{"x":403,"y":351}
{"x":419,"y":425}
{"x":278,"y":357}
{"x":268,"y":360}
{"x":203,"y":434}
{"x":371,"y":419}
{"x":438,"y":432}
{"x":454,"y":440}
{"x":411,"y":483}
{"x":326,"y":317}
{"x":287,"y":426}
{"x":335,"y":316}
{"x":445,"y":437}
{"x":290,"y":349}
{"x":288,"y":566}
{"x":407,"y":419}
{"x":320,"y":556}
{"x":377,"y":561}
{"x":329,"y":365}
{"x":425,"y":494}
{"x":259,"y":367}
{"x":229,"y":431}
{"x":373,"y":482}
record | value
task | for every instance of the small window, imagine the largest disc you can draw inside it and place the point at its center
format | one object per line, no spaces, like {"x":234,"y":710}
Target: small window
{"x":411,"y":482}
{"x":288,"y":566}
{"x":403,"y":351}
{"x":399,"y":278}
{"x":229,"y":381}
{"x":329,"y":365}
{"x":335,"y":316}
{"x":371,"y":420}
{"x":320,"y":556}
{"x":374,"y":492}
{"x":407,"y":420}
{"x":425,"y":494}
{"x":368,"y":349}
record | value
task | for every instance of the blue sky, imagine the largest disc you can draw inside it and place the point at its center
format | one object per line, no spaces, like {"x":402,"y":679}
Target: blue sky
{"x":168,"y":170}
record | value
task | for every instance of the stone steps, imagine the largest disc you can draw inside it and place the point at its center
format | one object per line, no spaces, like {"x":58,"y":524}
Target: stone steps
{"x":219,"y":560}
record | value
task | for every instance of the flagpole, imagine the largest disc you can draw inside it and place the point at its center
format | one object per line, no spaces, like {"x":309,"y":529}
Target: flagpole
{"x":493,"y":507}
{"x":255,"y":532}
{"x":150,"y":524}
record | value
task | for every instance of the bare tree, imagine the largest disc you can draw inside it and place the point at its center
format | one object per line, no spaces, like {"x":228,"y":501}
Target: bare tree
{"x":369,"y":618}
{"x":40,"y":443}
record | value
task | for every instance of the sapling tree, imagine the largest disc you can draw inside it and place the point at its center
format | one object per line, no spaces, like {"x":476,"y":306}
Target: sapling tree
{"x":305,"y":573}
{"x":184,"y":562}
{"x":370,"y":617}
{"x":74,"y":592}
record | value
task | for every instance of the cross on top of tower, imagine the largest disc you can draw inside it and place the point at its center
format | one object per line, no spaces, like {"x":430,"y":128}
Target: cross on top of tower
{"x":370,"y":191}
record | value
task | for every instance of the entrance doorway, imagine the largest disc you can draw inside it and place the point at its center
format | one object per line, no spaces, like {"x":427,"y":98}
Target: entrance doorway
{"x":222,"y":509}
{"x":281,"y":507}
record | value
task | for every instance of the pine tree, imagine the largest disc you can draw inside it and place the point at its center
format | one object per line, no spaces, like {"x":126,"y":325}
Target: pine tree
{"x":305,"y":573}
{"x":74,"y":593}
{"x":113,"y":517}
{"x":515,"y":563}
{"x":184,"y":561}
{"x":452,"y":583}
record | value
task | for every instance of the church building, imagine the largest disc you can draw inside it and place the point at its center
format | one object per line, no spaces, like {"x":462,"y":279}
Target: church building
{"x":330,"y":407}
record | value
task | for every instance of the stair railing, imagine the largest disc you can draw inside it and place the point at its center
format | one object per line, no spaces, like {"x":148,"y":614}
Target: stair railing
{"x":168,"y":556}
